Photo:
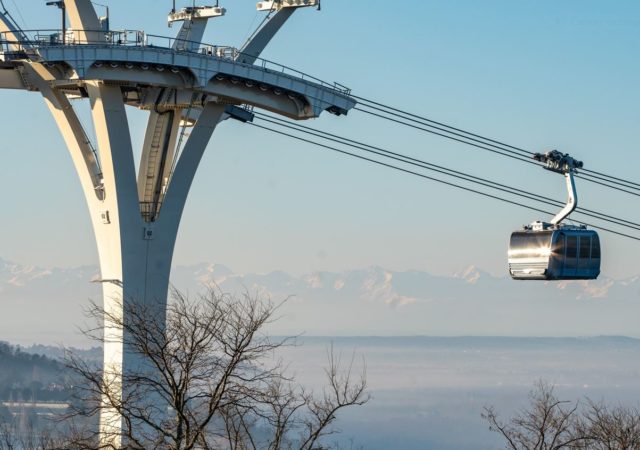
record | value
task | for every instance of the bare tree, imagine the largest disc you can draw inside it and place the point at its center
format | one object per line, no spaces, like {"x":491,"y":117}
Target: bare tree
{"x":210,"y":363}
{"x":547,"y":424}
{"x":610,"y":428}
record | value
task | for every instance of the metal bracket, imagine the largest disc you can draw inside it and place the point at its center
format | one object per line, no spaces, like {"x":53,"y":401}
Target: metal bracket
{"x":148,"y":233}
{"x":558,"y":162}
{"x":238,"y":113}
{"x":276,"y":5}
{"x":198,"y":12}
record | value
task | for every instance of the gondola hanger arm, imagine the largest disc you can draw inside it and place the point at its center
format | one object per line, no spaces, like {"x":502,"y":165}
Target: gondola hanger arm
{"x":558,"y":162}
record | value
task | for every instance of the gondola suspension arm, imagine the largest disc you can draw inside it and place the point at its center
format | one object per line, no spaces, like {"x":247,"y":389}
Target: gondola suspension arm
{"x":558,"y":162}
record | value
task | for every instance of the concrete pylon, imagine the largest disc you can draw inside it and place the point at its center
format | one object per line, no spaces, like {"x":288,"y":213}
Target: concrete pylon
{"x":135,"y":254}
{"x":136,"y":217}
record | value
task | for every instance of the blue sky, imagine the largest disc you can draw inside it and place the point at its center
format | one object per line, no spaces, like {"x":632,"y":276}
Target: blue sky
{"x":537,"y":74}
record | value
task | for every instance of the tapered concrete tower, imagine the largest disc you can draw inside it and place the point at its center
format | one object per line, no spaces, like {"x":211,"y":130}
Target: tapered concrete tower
{"x":183,"y":84}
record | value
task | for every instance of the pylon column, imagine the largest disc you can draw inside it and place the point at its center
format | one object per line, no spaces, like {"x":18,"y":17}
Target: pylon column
{"x":136,"y":217}
{"x":135,"y":254}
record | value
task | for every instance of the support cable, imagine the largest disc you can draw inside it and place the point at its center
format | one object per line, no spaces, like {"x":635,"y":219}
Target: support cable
{"x":24,"y":22}
{"x":418,"y":122}
{"x":425,"y":119}
{"x":262,"y":24}
{"x":14,"y":22}
{"x":588,"y":177}
{"x":502,"y":153}
{"x":585,"y":177}
{"x":421,"y":175}
{"x":440,"y":169}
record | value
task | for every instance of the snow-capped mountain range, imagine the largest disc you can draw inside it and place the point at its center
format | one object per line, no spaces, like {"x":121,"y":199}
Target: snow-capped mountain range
{"x":46,"y":305}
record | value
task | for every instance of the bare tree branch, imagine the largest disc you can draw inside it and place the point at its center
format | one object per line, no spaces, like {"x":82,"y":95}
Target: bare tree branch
{"x":551,"y":424}
{"x":207,"y":379}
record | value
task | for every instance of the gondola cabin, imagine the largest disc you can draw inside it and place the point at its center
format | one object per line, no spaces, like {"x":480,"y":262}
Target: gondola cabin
{"x":543,"y":251}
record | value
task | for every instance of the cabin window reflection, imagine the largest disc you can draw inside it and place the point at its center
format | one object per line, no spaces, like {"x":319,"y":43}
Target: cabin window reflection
{"x":530,"y":245}
{"x":585,"y":252}
{"x":585,"y":247}
{"x":595,"y":247}
{"x":572,"y":246}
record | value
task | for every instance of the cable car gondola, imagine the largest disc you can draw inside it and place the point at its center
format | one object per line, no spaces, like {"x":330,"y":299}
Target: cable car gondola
{"x":553,"y":250}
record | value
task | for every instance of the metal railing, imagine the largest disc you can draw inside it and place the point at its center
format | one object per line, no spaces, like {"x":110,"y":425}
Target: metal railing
{"x":137,"y":38}
{"x":150,"y":211}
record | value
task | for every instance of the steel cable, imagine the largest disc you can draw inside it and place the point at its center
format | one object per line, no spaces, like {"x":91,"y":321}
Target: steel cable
{"x":421,"y":175}
{"x":457,"y":134}
{"x":440,"y":169}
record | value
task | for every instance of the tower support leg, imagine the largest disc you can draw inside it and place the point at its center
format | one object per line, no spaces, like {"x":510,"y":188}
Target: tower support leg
{"x":135,"y":255}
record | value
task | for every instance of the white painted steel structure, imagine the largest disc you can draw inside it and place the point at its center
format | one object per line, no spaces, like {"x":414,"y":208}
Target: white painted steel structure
{"x":180,"y":82}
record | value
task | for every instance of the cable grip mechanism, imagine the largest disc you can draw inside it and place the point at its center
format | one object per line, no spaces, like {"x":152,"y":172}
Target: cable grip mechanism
{"x":556,"y":161}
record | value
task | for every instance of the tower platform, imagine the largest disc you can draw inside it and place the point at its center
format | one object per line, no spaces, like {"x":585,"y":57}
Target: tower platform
{"x":135,"y":60}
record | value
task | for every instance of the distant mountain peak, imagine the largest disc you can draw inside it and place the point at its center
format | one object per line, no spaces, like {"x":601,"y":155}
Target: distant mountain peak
{"x":471,"y":274}
{"x":362,"y":300}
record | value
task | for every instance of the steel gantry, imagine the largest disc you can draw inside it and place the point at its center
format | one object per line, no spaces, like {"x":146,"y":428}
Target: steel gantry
{"x":182,"y":83}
